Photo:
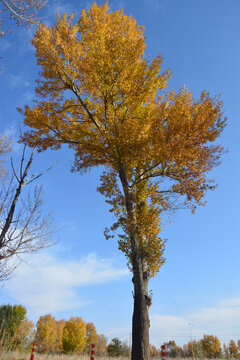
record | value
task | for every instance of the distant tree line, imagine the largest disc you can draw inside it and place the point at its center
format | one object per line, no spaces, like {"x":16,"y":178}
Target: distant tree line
{"x":75,"y":336}
{"x":208,"y":347}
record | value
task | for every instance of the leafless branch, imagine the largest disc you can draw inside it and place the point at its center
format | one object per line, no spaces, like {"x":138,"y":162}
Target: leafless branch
{"x":25,"y":12}
{"x":23,"y":229}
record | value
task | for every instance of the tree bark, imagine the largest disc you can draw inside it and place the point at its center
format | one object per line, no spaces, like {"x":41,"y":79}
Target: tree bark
{"x":142,"y":301}
{"x":140,"y":320}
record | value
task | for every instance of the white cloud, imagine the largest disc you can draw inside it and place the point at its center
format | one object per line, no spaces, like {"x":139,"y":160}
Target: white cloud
{"x":49,"y":285}
{"x":16,"y":81}
{"x":223,"y":321}
{"x":230,"y":302}
{"x":168,"y":327}
{"x":226,"y":316}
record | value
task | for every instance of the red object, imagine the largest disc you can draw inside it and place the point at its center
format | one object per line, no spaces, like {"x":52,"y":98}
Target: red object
{"x":163,"y":352}
{"x":92,"y":352}
{"x":33,"y":351}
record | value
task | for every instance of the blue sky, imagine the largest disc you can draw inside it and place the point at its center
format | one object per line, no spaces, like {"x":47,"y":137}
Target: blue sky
{"x":197,"y":290}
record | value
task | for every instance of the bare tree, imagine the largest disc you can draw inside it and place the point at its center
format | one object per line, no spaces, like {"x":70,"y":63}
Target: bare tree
{"x":24,"y":12}
{"x":23,"y":229}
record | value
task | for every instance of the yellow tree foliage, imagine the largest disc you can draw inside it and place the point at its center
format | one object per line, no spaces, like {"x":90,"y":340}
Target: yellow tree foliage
{"x":211,"y":346}
{"x":238,"y":344}
{"x":59,"y":340}
{"x":91,"y":337}
{"x":74,"y":335}
{"x":233,"y":349}
{"x":46,"y":333}
{"x":100,"y":95}
{"x":103,"y":98}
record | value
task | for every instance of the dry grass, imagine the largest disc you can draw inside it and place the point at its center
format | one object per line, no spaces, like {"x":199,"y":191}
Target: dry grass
{"x":21,"y":356}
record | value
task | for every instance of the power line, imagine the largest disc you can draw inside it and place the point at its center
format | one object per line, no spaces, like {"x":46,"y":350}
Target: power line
{"x":200,"y":334}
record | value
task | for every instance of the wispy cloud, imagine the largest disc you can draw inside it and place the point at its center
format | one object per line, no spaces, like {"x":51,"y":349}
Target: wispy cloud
{"x":50,"y":285}
{"x":16,"y":81}
{"x":168,"y":327}
{"x":157,"y":5}
{"x":221,"y":320}
{"x":116,"y":4}
{"x":61,"y":7}
{"x":224,"y":317}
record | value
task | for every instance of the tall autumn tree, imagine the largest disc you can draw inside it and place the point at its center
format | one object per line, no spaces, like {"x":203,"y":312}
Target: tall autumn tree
{"x":100,"y":95}
{"x":74,"y":335}
{"x":46,"y":334}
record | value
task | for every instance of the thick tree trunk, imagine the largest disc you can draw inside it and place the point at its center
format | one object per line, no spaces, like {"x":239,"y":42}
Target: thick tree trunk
{"x":142,"y":301}
{"x":140,"y":321}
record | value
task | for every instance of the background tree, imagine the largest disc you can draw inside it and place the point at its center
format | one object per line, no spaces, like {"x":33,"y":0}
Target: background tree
{"x":173,"y":350}
{"x":91,"y":337}
{"x":153,"y":351}
{"x":23,"y":229}
{"x":126,"y":350}
{"x":59,"y":339}
{"x":46,"y":334}
{"x":101,"y":347}
{"x":74,"y":335}
{"x":195,"y":349}
{"x":233,"y":349}
{"x":115,"y":347}
{"x":185,"y":350}
{"x":11,"y":317}
{"x":103,"y":98}
{"x":15,"y":329}
{"x":226,"y":351}
{"x":211,"y":346}
{"x":23,"y":336}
